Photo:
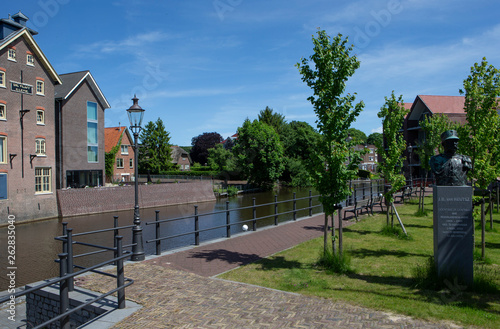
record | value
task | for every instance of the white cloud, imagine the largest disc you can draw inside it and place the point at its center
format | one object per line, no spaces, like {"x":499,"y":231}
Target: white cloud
{"x":377,"y":130}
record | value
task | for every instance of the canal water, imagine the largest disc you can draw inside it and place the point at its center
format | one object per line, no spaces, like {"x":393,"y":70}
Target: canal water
{"x":36,"y":248}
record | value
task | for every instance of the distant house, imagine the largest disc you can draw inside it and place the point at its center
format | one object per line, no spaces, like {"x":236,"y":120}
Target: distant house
{"x":181,"y":158}
{"x":123,"y":170}
{"x":80,"y":106}
{"x":369,"y":161}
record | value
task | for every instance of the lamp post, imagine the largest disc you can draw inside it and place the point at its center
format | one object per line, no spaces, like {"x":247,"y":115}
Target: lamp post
{"x":410,"y":149}
{"x":135,"y":115}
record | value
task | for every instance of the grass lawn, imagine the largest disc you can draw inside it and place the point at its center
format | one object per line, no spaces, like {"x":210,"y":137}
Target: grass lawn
{"x":383,"y":272}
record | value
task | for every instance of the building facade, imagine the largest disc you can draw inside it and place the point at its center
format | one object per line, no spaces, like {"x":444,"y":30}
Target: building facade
{"x":27,"y":125}
{"x":79,"y":112}
{"x":123,"y":170}
{"x":181,"y":158}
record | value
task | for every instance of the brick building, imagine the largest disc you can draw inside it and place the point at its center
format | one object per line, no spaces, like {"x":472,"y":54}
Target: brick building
{"x":123,"y":170}
{"x":27,"y":124}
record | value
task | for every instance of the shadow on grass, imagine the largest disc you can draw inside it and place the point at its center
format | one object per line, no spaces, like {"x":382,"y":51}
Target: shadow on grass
{"x":360,"y":232}
{"x":363,"y":253}
{"x":419,"y":226}
{"x":279,"y":262}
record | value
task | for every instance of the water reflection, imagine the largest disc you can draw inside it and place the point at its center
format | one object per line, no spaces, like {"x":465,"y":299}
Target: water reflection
{"x":36,"y":248}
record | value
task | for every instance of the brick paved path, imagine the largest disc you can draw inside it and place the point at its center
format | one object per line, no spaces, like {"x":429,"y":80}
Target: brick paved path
{"x":177,"y":290}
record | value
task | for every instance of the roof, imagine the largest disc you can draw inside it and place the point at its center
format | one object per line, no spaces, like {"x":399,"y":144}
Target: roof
{"x":71,"y":82}
{"x":444,"y":104}
{"x":177,"y":152}
{"x":13,"y":21}
{"x":112,"y":136}
{"x":24,"y":33}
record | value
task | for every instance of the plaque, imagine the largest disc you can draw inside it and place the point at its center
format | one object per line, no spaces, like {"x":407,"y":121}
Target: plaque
{"x":22,"y":88}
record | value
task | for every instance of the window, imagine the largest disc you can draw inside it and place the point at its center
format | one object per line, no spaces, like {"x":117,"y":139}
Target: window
{"x":43,"y":180}
{"x":30,"y":59}
{"x":119,"y":163}
{"x":40,"y":117}
{"x":3,"y":112}
{"x":12,"y":54}
{"x":3,"y":186}
{"x":3,"y":149}
{"x":2,"y":78}
{"x":370,"y":158}
{"x":40,"y":146}
{"x":40,"y":87}
{"x":92,"y":133}
{"x":131,"y":163}
{"x":124,"y":149}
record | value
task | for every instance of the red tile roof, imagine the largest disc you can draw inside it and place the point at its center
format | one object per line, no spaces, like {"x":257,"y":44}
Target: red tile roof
{"x":111,"y":137}
{"x":444,"y":104}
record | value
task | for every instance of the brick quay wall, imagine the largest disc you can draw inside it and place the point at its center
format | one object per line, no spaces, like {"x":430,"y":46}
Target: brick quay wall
{"x":74,"y":202}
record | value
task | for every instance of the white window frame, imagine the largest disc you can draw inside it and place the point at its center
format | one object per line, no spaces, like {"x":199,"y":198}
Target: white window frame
{"x":3,"y":111}
{"x":11,"y":54}
{"x":30,"y":59}
{"x":96,"y":122}
{"x":124,"y":149}
{"x":2,"y":79}
{"x":40,"y":87}
{"x":131,"y":163}
{"x":40,"y":147}
{"x":42,"y":121}
{"x":119,"y":163}
{"x":3,"y":155}
{"x":43,"y":180}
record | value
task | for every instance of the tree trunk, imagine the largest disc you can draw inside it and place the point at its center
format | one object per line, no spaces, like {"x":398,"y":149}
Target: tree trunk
{"x":334,"y":246}
{"x":483,"y":230}
{"x":491,"y":212}
{"x":340,"y":232}
{"x":325,"y":234}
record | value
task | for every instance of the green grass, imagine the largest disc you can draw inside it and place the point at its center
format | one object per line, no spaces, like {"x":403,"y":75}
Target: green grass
{"x":388,"y":273}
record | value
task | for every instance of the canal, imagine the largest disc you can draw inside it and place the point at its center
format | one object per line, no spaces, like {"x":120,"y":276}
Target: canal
{"x":36,"y":247}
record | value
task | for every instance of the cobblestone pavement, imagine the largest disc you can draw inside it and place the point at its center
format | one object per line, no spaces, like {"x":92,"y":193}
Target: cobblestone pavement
{"x":178,"y":291}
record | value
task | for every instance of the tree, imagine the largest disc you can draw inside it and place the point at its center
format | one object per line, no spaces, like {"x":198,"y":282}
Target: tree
{"x":201,"y":144}
{"x":432,"y":126}
{"x":259,"y":153}
{"x":332,"y":65}
{"x":376,"y":139}
{"x":155,"y":152}
{"x":392,"y":114}
{"x":218,"y":157}
{"x":358,"y":136}
{"x":109,"y":160}
{"x":479,"y":138}
{"x":275,"y":120}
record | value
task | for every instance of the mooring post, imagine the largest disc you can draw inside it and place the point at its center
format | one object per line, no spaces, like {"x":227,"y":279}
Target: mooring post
{"x":310,"y":204}
{"x":65,"y":241}
{"x":157,"y":233}
{"x":254,"y":217}
{"x":275,"y":209}
{"x":196,"y":227}
{"x":69,"y":263}
{"x":228,"y":221}
{"x":294,"y":207}
{"x":63,"y":291}
{"x":120,"y":274}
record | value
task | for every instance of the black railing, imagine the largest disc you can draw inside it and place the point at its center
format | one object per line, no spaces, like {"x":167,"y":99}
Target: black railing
{"x":67,"y":274}
{"x":196,"y":230}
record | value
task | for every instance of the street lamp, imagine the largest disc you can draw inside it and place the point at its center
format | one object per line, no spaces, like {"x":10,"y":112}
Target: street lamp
{"x":135,"y":115}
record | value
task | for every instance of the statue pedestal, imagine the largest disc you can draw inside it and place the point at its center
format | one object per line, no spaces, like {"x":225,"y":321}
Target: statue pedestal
{"x":454,"y":233}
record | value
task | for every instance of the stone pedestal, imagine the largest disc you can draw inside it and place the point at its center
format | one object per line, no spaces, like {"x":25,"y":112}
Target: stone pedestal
{"x":454,"y":233}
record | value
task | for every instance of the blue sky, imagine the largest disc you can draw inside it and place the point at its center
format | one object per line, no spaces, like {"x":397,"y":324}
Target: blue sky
{"x":207,"y":65}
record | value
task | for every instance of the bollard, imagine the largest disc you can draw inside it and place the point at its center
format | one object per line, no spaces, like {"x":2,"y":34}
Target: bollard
{"x":294,"y":207}
{"x":63,"y":291}
{"x":115,"y":234}
{"x":254,"y":216}
{"x":64,"y":233}
{"x":310,"y":204}
{"x":69,"y":262}
{"x":120,"y":274}
{"x":158,"y":233}
{"x":228,"y":221}
{"x":275,"y":210}
{"x":196,"y":227}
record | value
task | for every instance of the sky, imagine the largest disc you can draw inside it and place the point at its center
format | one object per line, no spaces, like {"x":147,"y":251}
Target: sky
{"x":207,"y":65}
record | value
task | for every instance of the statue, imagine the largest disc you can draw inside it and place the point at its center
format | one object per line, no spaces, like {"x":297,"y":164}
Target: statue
{"x":449,"y":168}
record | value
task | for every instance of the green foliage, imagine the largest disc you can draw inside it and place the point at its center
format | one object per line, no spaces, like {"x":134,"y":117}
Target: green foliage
{"x":219,"y":157}
{"x":394,"y":231}
{"x":190,"y":173}
{"x":376,"y":139}
{"x":109,"y":159}
{"x":392,"y":114}
{"x":201,"y":144}
{"x":358,"y":136}
{"x":259,"y":153}
{"x":275,"y":120}
{"x":232,"y":190}
{"x":155,"y":151}
{"x":337,"y":263}
{"x":332,"y":65}
{"x":480,"y":137}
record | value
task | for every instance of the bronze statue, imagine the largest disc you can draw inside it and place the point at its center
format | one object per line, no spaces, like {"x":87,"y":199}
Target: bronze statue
{"x":449,"y":168}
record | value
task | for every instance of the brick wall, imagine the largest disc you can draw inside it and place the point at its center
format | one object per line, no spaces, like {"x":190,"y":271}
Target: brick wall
{"x":74,"y":202}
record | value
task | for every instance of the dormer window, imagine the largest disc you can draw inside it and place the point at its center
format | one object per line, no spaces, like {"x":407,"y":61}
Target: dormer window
{"x":11,"y":54}
{"x":30,"y":59}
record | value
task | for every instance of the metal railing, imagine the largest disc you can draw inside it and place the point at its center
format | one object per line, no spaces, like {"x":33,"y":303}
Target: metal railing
{"x":196,"y":229}
{"x":67,"y":274}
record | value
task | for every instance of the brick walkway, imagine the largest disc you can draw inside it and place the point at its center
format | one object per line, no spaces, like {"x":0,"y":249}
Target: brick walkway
{"x":178,"y":291}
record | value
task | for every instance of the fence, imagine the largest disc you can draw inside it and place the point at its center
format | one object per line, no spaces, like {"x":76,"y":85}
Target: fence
{"x":67,"y":275}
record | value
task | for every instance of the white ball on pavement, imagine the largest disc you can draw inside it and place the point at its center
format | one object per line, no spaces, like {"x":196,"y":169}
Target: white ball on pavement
{"x":245,"y":228}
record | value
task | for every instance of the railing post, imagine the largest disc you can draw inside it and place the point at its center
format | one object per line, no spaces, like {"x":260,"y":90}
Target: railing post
{"x":275,"y":209}
{"x":294,"y":207}
{"x":115,"y":234}
{"x":64,"y":233}
{"x":254,"y":215}
{"x":158,"y":233}
{"x":196,"y":227}
{"x":69,"y":263}
{"x":310,"y":204}
{"x":63,"y":291}
{"x":228,"y":221}
{"x":120,"y":274}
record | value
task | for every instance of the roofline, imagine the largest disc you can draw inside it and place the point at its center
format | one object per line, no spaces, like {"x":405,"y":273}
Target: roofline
{"x":29,"y":38}
{"x":88,"y":74}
